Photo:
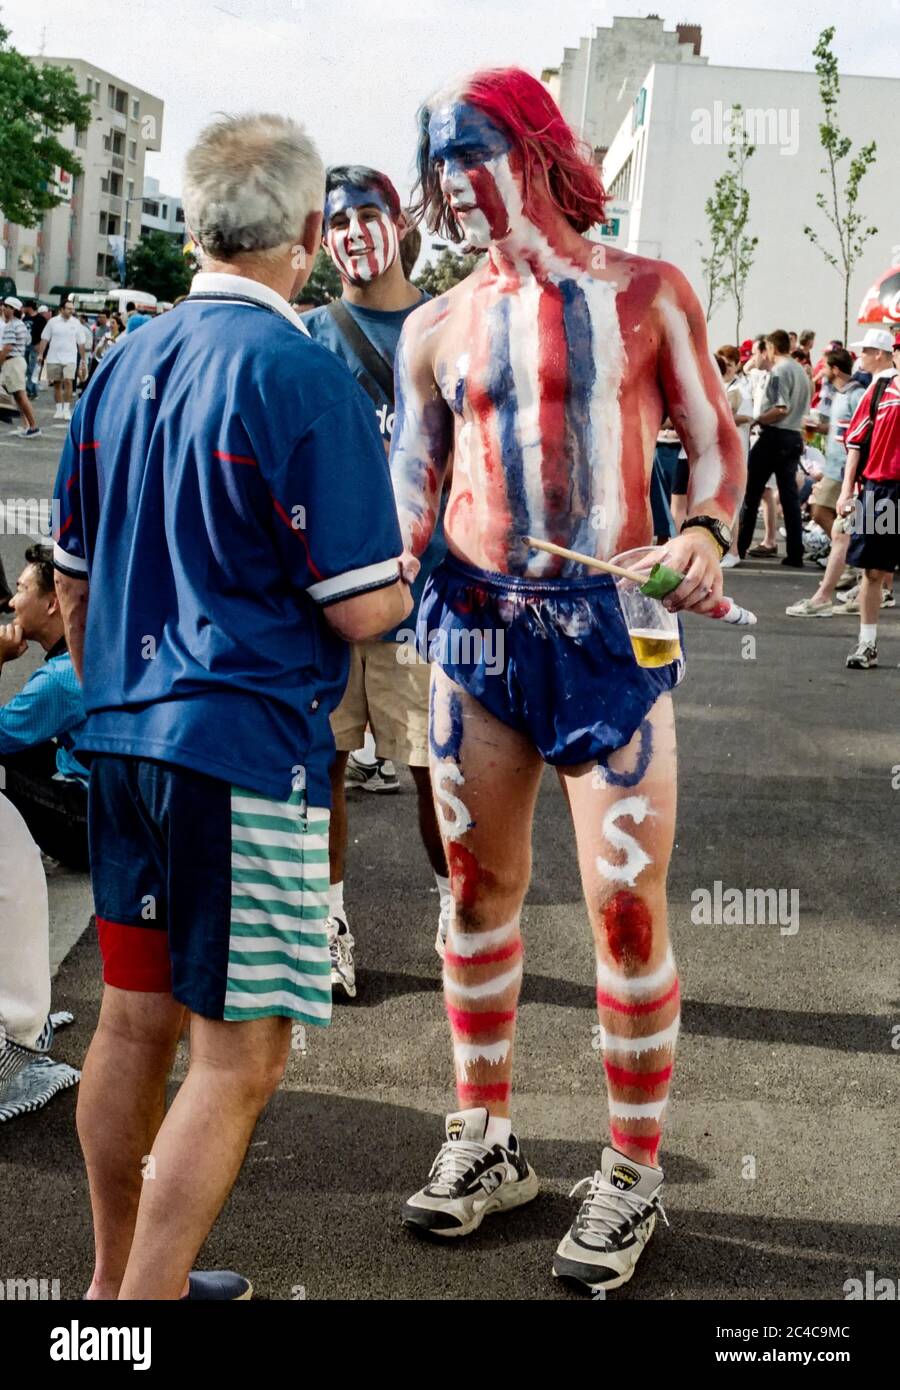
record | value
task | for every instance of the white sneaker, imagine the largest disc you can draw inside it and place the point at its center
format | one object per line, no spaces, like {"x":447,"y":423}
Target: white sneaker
{"x":343,"y":968}
{"x":67,"y":412}
{"x":469,"y":1180}
{"x":58,"y":412}
{"x":729,"y":561}
{"x":617,"y":1218}
{"x":863,"y":657}
{"x":807,"y":609}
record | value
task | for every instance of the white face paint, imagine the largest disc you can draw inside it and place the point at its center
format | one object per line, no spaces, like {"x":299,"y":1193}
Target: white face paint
{"x":455,"y":816}
{"x":636,"y":808}
{"x":365,"y":248}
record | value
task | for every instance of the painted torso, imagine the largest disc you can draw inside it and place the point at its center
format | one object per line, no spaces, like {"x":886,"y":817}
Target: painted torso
{"x":556,"y":399}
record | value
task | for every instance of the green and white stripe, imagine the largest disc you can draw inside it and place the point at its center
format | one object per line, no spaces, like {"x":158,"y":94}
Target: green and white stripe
{"x":278,"y":959}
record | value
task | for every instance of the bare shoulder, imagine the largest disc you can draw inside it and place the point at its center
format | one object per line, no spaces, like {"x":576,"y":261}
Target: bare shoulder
{"x":658,"y":279}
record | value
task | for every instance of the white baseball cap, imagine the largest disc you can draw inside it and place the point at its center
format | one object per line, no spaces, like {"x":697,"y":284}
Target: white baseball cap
{"x":42,"y":309}
{"x":878,"y":338}
{"x":13,"y":302}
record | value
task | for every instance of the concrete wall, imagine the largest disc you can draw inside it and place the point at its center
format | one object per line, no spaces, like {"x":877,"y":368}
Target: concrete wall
{"x":619,"y":59}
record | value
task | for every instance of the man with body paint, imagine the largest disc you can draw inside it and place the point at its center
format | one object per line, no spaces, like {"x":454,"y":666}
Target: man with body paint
{"x":542,"y":379}
{"x":364,"y":231}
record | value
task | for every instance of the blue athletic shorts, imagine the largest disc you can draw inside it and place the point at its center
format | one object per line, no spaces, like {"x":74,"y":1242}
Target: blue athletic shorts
{"x":211,"y":893}
{"x":551,"y":658}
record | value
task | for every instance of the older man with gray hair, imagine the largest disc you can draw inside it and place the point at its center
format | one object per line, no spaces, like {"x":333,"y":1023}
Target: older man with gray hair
{"x":226,"y":519}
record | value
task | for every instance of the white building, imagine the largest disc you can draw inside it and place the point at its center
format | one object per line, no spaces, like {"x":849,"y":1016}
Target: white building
{"x":596,"y":82}
{"x":76,"y":243}
{"x":672,"y":146}
{"x":162,"y":212}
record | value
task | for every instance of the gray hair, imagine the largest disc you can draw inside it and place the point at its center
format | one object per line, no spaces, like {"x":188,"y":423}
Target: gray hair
{"x":250,"y":182}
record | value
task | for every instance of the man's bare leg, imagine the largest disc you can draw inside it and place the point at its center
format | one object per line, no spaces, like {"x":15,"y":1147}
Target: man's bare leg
{"x":337,"y":826}
{"x":200,"y":1147}
{"x":485,"y":778}
{"x":428,"y":822}
{"x":770,"y":518}
{"x":624,"y":816}
{"x":121,"y":1103}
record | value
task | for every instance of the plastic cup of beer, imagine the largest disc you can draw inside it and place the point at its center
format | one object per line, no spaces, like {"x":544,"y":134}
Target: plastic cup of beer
{"x":655,"y":638}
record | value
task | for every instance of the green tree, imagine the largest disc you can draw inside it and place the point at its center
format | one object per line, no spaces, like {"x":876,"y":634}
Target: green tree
{"x":324,"y":284}
{"x":436,"y":277}
{"x":35,"y":104}
{"x":156,"y":265}
{"x":839,"y":202}
{"x":727,"y":265}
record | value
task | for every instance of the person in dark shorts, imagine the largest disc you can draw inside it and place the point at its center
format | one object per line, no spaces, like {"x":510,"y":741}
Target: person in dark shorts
{"x":220,"y":539}
{"x":873,"y":453}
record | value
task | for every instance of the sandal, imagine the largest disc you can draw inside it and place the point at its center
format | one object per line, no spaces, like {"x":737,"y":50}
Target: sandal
{"x":765,"y":552}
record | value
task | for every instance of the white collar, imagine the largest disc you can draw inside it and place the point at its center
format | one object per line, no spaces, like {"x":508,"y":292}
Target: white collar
{"x":885,"y":371}
{"x":217,"y":282}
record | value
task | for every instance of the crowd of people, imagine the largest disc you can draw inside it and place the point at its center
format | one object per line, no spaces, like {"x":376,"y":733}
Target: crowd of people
{"x":239,"y":556}
{"x":823,"y":437}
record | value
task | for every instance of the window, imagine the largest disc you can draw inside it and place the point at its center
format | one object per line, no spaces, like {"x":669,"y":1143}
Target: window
{"x":135,"y":109}
{"x":106,"y":266}
{"x":112,"y":225}
{"x":104,"y":222}
{"x":132,"y":150}
{"x":81,"y":139}
{"x":164,"y":212}
{"x":151,"y":208}
{"x":117,"y":99}
{"x":179,"y":214}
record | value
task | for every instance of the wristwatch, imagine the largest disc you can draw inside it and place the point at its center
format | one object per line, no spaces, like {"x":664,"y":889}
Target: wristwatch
{"x":720,"y":533}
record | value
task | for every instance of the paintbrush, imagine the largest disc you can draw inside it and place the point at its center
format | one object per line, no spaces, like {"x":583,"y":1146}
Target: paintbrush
{"x":660,"y":581}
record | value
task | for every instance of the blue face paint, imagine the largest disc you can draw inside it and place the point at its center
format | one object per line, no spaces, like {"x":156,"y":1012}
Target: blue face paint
{"x":638,"y":772}
{"x":451,"y":746}
{"x":345,"y":197}
{"x":463,"y":137}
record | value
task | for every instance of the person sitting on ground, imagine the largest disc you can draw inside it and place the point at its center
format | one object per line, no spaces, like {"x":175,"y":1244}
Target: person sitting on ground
{"x":39,"y":726}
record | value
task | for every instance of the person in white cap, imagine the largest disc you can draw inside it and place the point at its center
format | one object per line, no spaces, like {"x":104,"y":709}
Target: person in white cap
{"x":873,"y":458}
{"x":15,"y":340}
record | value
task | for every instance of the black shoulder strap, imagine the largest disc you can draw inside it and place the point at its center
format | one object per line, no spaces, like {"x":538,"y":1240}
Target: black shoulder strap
{"x":376,"y":364}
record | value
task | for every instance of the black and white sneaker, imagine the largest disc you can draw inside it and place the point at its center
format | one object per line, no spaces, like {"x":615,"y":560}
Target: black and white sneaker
{"x":617,"y":1218}
{"x":469,"y":1180}
{"x":340,"y":945}
{"x":380,"y":776}
{"x":863,"y":656}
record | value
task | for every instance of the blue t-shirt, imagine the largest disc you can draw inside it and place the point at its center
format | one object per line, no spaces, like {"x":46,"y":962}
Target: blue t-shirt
{"x":223,"y":479}
{"x":136,"y":321}
{"x":50,"y":705}
{"x":382,"y":328}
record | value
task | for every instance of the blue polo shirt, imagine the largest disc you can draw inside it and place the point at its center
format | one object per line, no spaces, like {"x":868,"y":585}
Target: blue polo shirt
{"x":223,"y":480}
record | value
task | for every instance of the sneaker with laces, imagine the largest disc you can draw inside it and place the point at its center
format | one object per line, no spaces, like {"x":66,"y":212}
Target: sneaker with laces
{"x":807,"y":609}
{"x":850,"y":595}
{"x":379,"y":776}
{"x":67,"y":412}
{"x":58,"y":412}
{"x":616,"y":1219}
{"x":863,"y":656}
{"x":340,"y":945}
{"x":887,"y":599}
{"x":469,"y":1180}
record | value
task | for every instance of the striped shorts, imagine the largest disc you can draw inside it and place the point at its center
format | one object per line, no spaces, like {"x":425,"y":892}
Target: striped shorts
{"x":211,"y":893}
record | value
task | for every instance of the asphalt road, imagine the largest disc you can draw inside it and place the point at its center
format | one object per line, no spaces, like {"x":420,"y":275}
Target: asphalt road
{"x":782,"y":1143}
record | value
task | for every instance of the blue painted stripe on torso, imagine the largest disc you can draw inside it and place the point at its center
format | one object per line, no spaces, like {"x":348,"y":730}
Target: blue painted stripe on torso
{"x":580,"y":360}
{"x":501,"y":390}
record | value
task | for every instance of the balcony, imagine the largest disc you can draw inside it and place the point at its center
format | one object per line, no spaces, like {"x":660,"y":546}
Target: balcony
{"x":118,"y":162}
{"x":118,"y":120}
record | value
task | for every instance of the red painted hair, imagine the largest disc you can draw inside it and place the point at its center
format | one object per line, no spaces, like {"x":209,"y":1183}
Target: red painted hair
{"x":547,"y":145}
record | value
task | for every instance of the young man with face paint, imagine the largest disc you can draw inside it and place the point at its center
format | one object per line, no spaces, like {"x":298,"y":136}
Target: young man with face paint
{"x":364,"y":230}
{"x":542,"y":380}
